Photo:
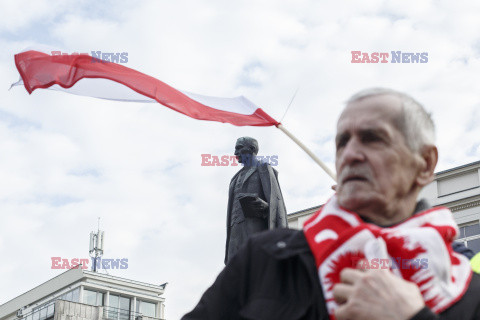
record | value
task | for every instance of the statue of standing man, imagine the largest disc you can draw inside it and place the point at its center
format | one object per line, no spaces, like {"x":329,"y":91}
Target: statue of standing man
{"x":255,"y":201}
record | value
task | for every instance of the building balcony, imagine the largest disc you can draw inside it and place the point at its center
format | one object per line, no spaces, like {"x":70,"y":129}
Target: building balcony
{"x":67,"y":310}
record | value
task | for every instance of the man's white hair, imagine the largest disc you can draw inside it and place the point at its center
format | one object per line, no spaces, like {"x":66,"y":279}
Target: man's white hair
{"x":414,"y":122}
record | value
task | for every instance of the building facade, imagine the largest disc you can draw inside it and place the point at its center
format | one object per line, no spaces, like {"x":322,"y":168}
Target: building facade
{"x":457,"y":189}
{"x":79,"y":294}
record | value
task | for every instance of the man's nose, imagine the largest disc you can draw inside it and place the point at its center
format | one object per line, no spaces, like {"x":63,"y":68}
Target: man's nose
{"x":352,"y":152}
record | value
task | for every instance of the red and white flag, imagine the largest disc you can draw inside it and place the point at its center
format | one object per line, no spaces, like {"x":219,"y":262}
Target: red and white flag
{"x":111,"y":81}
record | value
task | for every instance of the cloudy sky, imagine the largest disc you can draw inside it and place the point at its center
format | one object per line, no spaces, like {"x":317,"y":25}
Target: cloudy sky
{"x":66,"y":160}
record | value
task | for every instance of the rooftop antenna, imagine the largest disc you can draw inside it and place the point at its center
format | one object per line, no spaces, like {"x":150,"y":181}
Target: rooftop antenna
{"x":96,"y":246}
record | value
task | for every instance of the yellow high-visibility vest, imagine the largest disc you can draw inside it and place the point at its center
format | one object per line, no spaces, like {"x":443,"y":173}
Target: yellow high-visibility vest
{"x":475,"y":263}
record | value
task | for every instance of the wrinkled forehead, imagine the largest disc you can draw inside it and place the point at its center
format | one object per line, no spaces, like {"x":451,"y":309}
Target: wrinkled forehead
{"x":378,"y":109}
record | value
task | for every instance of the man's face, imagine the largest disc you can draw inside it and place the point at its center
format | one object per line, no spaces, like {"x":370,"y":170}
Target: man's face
{"x":243,"y":150}
{"x":375,"y":168}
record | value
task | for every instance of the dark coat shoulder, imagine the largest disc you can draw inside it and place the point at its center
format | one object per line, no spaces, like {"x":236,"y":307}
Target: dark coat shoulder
{"x":274,"y":277}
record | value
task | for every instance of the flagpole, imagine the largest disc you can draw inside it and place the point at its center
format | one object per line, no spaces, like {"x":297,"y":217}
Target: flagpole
{"x":310,"y":153}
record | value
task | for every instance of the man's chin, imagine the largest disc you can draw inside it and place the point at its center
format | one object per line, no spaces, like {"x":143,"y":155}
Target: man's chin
{"x":366,"y":205}
{"x":353,"y":202}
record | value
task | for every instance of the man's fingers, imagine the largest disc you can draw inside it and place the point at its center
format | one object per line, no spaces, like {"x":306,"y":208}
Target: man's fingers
{"x":343,"y":313}
{"x":341,"y":292}
{"x":362,"y":265}
{"x":350,"y":276}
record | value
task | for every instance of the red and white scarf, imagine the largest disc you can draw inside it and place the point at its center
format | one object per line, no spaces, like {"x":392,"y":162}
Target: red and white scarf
{"x":419,"y":250}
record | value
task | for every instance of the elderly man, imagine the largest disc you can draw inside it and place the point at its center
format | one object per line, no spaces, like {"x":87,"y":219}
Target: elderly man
{"x":372,"y":251}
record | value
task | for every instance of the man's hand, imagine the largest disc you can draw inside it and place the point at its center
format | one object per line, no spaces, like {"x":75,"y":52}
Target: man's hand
{"x":258,"y":204}
{"x":375,"y":294}
{"x":253,"y":206}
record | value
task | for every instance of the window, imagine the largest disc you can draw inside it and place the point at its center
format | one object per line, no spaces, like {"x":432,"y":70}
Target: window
{"x":146,"y":308}
{"x":76,"y":295}
{"x":43,"y":313}
{"x":73,"y":295}
{"x":93,"y":298}
{"x":50,"y":310}
{"x":119,"y":308}
{"x":469,"y":235}
{"x":474,"y":245}
{"x":46,"y":310}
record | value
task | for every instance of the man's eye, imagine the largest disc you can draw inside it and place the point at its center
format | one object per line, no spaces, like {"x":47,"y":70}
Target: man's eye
{"x":371,"y":138}
{"x":342,"y":142}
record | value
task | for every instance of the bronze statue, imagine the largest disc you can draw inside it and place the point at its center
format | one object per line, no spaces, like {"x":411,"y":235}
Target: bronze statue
{"x":255,"y":201}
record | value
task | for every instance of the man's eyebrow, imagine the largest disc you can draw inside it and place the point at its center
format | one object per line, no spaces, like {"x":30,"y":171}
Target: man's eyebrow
{"x":376,"y":131}
{"x":380,"y":132}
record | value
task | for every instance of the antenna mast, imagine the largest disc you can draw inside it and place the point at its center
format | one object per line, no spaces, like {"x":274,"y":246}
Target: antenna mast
{"x":96,"y":246}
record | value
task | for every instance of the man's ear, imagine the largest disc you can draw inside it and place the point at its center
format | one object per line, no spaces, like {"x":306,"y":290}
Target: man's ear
{"x":429,"y":158}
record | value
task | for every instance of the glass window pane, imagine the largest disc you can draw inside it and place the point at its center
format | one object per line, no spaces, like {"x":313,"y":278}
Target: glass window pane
{"x":147,"y":309}
{"x":51,"y":310}
{"x":99,"y":299}
{"x":113,"y":310}
{"x":474,"y":245}
{"x":89,"y":297}
{"x":124,"y":303}
{"x":43,"y":313}
{"x":472,"y":230}
{"x":113,"y":301}
{"x":68,"y":296}
{"x":36,"y":315}
{"x":461,"y":233}
{"x":76,"y":295}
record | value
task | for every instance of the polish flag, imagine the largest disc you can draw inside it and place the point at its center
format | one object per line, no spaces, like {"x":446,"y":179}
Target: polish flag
{"x":111,"y":81}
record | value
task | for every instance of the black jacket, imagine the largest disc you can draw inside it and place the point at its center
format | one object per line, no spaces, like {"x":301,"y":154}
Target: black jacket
{"x":274,"y":277}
